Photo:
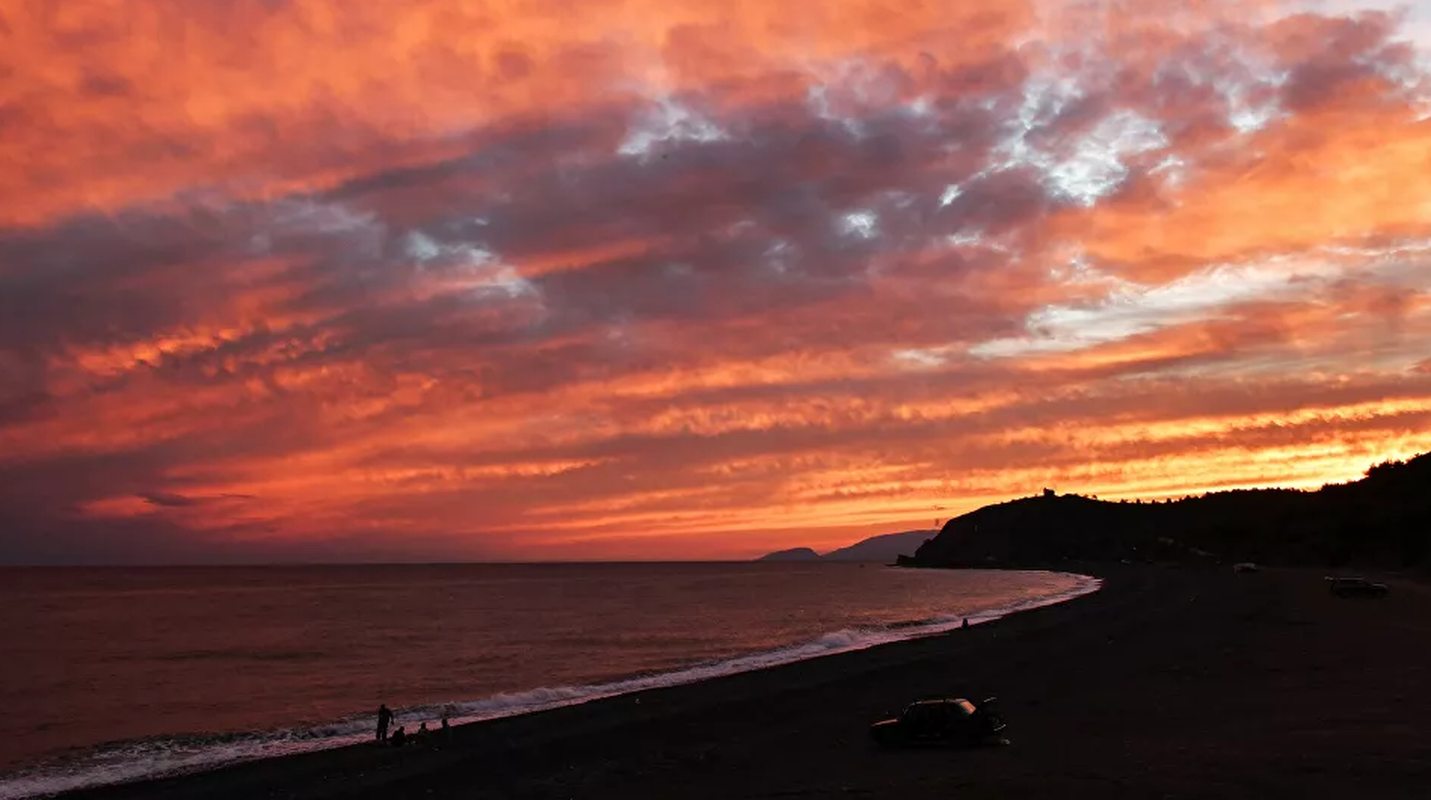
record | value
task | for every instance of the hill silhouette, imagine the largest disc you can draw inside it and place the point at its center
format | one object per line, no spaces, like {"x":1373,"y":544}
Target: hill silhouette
{"x":793,"y":554}
{"x":1381,"y":520}
{"x":883,"y":548}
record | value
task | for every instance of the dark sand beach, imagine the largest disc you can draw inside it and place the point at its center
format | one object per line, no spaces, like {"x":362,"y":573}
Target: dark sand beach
{"x":1170,"y":682}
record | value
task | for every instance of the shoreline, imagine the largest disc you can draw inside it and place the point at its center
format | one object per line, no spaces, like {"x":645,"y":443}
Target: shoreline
{"x":173,"y":757}
{"x":1169,"y":681}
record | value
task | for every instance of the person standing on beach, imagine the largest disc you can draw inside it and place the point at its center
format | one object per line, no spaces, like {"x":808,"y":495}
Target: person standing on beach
{"x":385,"y":718}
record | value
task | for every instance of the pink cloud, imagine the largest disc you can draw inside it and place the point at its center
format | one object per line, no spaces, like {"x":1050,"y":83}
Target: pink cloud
{"x":683,"y":295}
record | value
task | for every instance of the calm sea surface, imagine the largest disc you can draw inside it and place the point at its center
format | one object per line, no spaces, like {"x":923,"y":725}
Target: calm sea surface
{"x":114,"y":674}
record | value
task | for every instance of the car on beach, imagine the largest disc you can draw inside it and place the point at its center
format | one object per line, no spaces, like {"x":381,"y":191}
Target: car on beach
{"x":1356,"y":587}
{"x":949,"y":721}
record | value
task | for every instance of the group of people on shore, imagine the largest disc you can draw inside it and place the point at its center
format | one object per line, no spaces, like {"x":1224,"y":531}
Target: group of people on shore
{"x":401,"y":737}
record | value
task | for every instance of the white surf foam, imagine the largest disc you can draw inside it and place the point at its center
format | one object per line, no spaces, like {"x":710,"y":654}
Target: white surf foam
{"x":152,"y":758}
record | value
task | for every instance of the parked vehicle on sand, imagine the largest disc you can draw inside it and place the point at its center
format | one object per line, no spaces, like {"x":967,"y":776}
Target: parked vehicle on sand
{"x":952,"y":721}
{"x":1356,"y":587}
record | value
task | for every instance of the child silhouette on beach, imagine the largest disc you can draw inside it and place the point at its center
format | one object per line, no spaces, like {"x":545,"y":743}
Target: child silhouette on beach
{"x":385,"y":717}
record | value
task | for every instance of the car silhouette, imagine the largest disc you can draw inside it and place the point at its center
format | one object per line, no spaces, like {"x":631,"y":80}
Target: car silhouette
{"x":1356,"y":587}
{"x":951,"y":721}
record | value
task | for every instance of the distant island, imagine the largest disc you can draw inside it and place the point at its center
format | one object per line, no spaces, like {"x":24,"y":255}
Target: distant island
{"x":793,"y":554}
{"x":1382,"y":520}
{"x":884,"y":549}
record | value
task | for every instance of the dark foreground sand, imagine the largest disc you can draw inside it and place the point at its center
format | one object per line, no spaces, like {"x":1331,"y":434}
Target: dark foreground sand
{"x":1171,"y":682}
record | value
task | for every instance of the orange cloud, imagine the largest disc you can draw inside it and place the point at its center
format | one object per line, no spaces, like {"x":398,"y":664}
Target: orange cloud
{"x":458,"y":280}
{"x":114,"y":105}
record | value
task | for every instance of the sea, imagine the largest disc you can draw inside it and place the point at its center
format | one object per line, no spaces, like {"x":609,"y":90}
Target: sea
{"x":118,"y":674}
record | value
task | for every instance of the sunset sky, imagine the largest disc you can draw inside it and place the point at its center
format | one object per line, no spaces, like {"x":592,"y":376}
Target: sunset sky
{"x":542,"y":279}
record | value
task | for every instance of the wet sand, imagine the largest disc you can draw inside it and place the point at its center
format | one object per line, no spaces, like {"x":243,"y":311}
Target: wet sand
{"x":1170,"y":682}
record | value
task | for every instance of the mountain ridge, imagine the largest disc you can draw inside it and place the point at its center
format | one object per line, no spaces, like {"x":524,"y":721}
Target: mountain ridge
{"x":1383,"y":519}
{"x":883,"y":548}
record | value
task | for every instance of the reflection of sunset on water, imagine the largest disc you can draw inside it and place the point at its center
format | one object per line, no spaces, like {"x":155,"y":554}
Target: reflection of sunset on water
{"x":435,"y":280}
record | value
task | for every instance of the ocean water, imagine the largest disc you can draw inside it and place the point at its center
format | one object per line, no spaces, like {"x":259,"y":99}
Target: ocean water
{"x":117,"y":674}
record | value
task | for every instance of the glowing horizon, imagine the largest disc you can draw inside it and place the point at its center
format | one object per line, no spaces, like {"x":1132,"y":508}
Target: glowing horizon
{"x":435,"y":280}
